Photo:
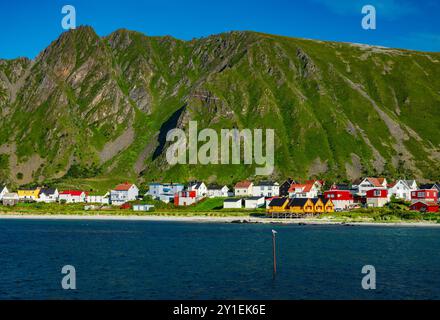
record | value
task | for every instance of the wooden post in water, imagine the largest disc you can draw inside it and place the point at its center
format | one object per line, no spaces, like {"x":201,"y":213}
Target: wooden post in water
{"x":274,"y":236}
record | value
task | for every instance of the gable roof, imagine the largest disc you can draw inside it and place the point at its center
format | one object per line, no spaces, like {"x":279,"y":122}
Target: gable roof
{"x":75,"y":193}
{"x":123,"y":187}
{"x":234,"y":200}
{"x":429,"y":186}
{"x":195,"y":184}
{"x":266,"y":184}
{"x":304,"y":187}
{"x":404,"y":182}
{"x":48,"y":191}
{"x":298,"y":202}
{"x":321,"y":182}
{"x":376,"y":182}
{"x":243,"y":185}
{"x":215,"y":187}
{"x":315,"y":200}
{"x":393,"y":184}
{"x":278,"y":202}
{"x":288,"y":182}
{"x":327,"y":200}
{"x":426,"y":203}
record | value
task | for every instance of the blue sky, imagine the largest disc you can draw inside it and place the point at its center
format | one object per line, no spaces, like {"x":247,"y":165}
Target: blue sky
{"x":28,"y":26}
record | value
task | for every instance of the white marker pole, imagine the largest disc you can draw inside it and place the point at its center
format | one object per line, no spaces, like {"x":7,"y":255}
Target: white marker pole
{"x":274,"y":236}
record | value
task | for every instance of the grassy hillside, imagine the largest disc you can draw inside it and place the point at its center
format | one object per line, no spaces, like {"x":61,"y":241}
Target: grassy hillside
{"x":90,"y":111}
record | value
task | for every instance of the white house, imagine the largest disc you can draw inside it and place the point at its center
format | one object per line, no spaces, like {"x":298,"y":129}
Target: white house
{"x":307,"y":190}
{"x":164,"y":192}
{"x":200,"y":189}
{"x":243,"y":189}
{"x":48,"y":195}
{"x":267,"y":189}
{"x":123,"y":193}
{"x":233,"y":204}
{"x":72,"y":196}
{"x":3,"y":191}
{"x":370,"y":184}
{"x":105,"y":199}
{"x":215,"y":191}
{"x":402,"y":189}
{"x":10,"y":199}
{"x":254,"y":202}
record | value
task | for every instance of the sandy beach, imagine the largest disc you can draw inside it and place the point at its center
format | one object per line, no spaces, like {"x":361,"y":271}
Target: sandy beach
{"x":202,"y":219}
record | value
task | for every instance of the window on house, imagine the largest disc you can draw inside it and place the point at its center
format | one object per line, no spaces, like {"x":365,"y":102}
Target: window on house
{"x":377,"y":193}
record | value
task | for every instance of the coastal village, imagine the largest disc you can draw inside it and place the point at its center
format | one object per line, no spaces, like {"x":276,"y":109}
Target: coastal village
{"x":289,"y":199}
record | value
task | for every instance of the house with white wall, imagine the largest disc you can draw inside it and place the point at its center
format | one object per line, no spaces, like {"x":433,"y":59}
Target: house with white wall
{"x":48,"y":195}
{"x":244,"y":189}
{"x":216,"y":191}
{"x":124,"y":193}
{"x":164,"y":192}
{"x":10,"y":199}
{"x":402,"y":189}
{"x":233,"y":203}
{"x":199,"y":187}
{"x":307,"y":190}
{"x":254,"y":202}
{"x":72,"y":196}
{"x":266,"y":189}
{"x":99,"y":199}
{"x":370,"y":184}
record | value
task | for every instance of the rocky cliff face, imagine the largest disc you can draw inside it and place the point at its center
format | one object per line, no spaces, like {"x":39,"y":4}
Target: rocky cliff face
{"x":99,"y":107}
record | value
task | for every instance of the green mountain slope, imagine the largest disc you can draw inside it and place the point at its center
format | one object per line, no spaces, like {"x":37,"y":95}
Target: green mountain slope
{"x":92,"y":108}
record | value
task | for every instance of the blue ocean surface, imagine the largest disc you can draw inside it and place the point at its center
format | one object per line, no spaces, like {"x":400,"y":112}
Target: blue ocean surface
{"x":185,"y":261}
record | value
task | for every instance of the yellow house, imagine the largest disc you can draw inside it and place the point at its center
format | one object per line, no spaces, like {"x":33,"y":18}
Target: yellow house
{"x":29,"y":194}
{"x":278,"y":205}
{"x":329,"y":206}
{"x":319,"y":206}
{"x":301,"y":205}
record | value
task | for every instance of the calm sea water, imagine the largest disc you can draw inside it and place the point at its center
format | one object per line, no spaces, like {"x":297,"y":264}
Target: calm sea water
{"x":158,"y":260}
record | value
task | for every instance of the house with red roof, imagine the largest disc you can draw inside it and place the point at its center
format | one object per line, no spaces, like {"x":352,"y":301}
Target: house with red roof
{"x":372,"y":183}
{"x":377,"y":198}
{"x":244,"y":189}
{"x":307,"y":190}
{"x":124,"y":193}
{"x":423,"y":206}
{"x":72,"y":196}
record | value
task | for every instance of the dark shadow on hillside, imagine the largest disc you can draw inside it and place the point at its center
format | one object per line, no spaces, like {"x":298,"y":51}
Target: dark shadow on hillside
{"x":168,"y":125}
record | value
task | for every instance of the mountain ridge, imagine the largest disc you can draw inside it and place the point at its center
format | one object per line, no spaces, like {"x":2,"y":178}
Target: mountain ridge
{"x":93,"y":107}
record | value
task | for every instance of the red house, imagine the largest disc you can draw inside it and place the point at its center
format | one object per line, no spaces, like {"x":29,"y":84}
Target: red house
{"x":425,"y":206}
{"x":342,"y":199}
{"x":377,"y":198}
{"x":185,"y":198}
{"x":426,"y":196}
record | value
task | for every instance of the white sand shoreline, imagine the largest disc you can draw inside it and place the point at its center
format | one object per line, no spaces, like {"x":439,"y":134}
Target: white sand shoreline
{"x":203,"y":219}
